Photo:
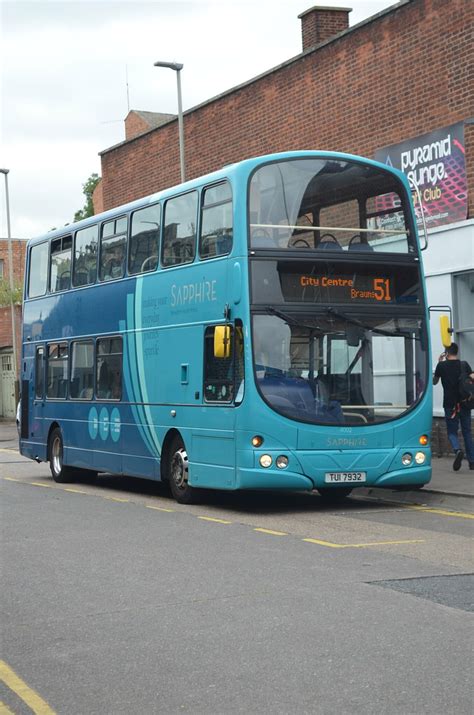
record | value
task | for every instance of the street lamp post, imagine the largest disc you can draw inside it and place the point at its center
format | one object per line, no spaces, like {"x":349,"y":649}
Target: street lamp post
{"x":10,"y":272}
{"x":177,"y":67}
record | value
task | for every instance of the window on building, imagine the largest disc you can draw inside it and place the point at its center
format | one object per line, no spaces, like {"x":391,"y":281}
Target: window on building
{"x":39,"y":373}
{"x":109,"y":368}
{"x":463,"y":292}
{"x":85,"y":256}
{"x":179,"y":238}
{"x":81,"y":383}
{"x":144,"y":240}
{"x":57,"y":371}
{"x":60,"y":269}
{"x":113,"y":249}
{"x":216,"y":221}
{"x":1,"y":268}
{"x":38,"y":270}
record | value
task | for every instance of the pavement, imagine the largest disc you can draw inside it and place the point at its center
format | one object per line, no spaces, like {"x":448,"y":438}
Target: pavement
{"x":446,"y":486}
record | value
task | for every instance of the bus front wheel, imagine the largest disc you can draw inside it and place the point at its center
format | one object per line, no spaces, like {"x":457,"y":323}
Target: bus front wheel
{"x":59,"y":471}
{"x":178,"y":471}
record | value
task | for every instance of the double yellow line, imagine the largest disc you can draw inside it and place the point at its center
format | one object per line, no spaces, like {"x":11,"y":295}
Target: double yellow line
{"x":20,"y":688}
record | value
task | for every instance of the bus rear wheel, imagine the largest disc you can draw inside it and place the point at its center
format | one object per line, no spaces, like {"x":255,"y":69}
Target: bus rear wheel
{"x":59,"y":471}
{"x":334,"y":495}
{"x":178,"y":472}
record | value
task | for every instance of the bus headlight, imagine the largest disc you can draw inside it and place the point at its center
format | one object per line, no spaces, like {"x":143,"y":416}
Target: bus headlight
{"x":281,"y":461}
{"x":265,"y":461}
{"x":420,"y":457}
{"x":407,"y":459}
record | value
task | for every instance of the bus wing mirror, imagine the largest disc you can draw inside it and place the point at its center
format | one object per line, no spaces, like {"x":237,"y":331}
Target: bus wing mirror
{"x":222,"y":343}
{"x":446,"y":331}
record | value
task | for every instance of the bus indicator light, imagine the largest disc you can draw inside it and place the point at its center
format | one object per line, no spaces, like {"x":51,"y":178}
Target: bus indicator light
{"x":424,"y":439}
{"x":257,"y":441}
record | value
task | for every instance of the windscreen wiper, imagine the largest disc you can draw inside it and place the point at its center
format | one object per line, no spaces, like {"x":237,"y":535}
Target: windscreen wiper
{"x":358,"y":323}
{"x":291,"y":320}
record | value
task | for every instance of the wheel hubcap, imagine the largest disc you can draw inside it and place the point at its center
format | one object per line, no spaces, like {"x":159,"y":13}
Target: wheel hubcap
{"x":179,"y":468}
{"x":56,"y":456}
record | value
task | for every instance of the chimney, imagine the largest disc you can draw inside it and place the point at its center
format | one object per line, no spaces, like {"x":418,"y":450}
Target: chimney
{"x":319,"y":24}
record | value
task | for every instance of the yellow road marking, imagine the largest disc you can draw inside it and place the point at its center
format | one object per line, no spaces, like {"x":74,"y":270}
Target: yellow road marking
{"x":75,"y":491}
{"x":4,"y":710}
{"x":158,"y":508}
{"x":274,"y":533}
{"x":218,"y":521}
{"x":443,"y":512}
{"x":116,"y":499}
{"x":40,"y":484}
{"x":11,"y":479}
{"x":18,"y":686}
{"x":331,"y":545}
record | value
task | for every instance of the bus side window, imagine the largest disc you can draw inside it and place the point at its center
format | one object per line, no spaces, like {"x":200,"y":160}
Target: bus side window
{"x":144,"y":240}
{"x":38,"y":270}
{"x":109,"y":368}
{"x":179,"y":240}
{"x":81,"y":383}
{"x":39,"y":373}
{"x":60,"y":264}
{"x":218,"y":371}
{"x":57,"y":371}
{"x":85,"y":256}
{"x":216,"y":221}
{"x":113,"y":248}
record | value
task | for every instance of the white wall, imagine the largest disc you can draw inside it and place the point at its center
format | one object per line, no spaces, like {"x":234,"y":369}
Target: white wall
{"x":450,"y":250}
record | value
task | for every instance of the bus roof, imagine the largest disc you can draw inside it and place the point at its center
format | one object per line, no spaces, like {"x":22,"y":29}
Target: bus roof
{"x":239,"y":169}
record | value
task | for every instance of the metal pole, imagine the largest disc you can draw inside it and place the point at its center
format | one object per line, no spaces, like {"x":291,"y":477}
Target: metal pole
{"x":180,"y":126}
{"x":10,"y":272}
{"x":177,"y":67}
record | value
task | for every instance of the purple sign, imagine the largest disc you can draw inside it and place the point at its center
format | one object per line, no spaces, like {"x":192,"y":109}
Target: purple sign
{"x":436,"y":163}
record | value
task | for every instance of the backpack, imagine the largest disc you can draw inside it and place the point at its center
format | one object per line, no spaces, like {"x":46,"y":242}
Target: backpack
{"x":466,"y":387}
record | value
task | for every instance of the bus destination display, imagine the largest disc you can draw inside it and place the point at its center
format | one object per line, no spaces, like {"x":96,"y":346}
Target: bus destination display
{"x":336,"y":288}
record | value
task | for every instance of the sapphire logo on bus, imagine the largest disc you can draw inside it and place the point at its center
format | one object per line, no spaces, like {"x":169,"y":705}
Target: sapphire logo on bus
{"x":190,"y":293}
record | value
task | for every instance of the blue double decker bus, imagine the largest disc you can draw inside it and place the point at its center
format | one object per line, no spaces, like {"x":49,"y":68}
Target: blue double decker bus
{"x":261,"y":327}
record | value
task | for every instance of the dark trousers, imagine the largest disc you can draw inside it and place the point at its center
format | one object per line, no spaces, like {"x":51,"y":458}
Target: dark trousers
{"x":463,"y":419}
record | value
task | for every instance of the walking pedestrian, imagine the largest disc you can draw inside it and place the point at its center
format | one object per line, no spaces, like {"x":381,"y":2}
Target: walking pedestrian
{"x":456,"y":414}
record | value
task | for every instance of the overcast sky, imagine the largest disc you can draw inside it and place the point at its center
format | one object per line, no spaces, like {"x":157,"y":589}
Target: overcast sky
{"x":64,"y":67}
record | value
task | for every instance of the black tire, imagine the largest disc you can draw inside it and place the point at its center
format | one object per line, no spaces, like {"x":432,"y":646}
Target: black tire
{"x":177,"y":474}
{"x":335,"y":494}
{"x":59,"y":471}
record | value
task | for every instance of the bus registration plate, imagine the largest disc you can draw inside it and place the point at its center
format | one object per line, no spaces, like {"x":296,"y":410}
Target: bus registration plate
{"x":338,"y":477}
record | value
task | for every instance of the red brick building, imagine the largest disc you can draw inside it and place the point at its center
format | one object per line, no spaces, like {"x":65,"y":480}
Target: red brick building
{"x":401,"y":73}
{"x":7,"y":387}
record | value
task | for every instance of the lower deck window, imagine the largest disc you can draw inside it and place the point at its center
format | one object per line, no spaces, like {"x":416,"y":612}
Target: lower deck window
{"x":57,"y":371}
{"x":109,"y":368}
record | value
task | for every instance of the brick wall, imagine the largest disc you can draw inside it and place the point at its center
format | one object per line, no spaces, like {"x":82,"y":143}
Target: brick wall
{"x":404,"y":73}
{"x":319,"y":24}
{"x":19,"y":253}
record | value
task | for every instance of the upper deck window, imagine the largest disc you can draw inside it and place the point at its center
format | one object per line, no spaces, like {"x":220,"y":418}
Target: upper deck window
{"x":179,"y":239}
{"x":144,"y":240}
{"x":325,"y":204}
{"x":60,"y":274}
{"x":85,"y":256}
{"x":113,"y":249}
{"x":38,"y":276}
{"x":216,"y":221}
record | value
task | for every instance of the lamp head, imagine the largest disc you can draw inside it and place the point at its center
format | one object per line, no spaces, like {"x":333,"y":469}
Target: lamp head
{"x":176,"y":66}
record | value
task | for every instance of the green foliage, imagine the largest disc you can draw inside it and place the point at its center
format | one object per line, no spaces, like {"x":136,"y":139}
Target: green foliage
{"x":87,"y":190}
{"x":6,"y":294}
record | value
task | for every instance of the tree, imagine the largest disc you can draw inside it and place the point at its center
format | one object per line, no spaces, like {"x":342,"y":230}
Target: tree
{"x":87,"y":190}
